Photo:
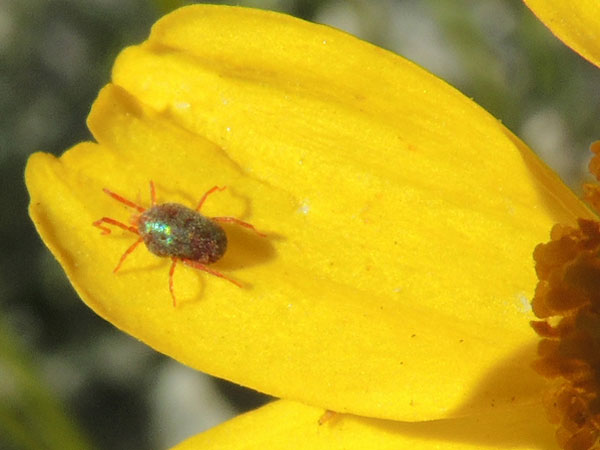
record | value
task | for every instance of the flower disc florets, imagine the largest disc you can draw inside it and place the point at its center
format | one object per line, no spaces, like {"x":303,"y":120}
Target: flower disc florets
{"x":567,"y":298}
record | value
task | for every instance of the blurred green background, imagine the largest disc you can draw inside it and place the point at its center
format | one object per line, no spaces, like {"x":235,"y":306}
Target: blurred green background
{"x":70,"y":380}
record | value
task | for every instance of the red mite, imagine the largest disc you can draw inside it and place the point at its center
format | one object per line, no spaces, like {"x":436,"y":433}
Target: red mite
{"x":176,"y":231}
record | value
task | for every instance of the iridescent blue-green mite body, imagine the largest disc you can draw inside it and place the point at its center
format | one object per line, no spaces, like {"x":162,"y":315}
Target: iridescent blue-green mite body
{"x":176,"y":231}
{"x":171,"y":229}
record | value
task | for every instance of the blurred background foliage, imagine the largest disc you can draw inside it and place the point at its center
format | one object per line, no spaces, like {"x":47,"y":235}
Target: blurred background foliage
{"x":69,"y":380}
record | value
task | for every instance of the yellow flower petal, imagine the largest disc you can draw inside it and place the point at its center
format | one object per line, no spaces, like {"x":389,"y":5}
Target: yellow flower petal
{"x":285,"y":425}
{"x":401,"y":217}
{"x":576,"y":23}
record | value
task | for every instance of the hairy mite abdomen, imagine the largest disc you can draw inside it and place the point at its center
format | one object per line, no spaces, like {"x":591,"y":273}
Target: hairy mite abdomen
{"x":171,"y":229}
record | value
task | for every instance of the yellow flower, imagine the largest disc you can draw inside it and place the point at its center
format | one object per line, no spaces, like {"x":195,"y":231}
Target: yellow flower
{"x":394,"y":280}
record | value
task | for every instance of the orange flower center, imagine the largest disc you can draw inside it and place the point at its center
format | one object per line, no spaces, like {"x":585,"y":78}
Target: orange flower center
{"x":567,"y":299}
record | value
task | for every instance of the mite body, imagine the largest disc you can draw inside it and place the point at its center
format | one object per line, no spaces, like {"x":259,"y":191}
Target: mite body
{"x":176,"y":231}
{"x":171,"y":229}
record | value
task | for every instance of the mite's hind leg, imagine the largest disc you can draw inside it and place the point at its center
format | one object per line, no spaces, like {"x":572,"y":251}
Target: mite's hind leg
{"x":239,"y":222}
{"x":200,"y":266}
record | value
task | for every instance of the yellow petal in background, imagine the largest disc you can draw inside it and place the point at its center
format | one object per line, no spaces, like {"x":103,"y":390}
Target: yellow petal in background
{"x":400,"y":216}
{"x":576,"y":23}
{"x":285,"y":425}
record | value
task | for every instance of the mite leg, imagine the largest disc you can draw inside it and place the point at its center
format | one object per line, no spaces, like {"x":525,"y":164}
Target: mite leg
{"x":152,"y":193}
{"x":106,"y":230}
{"x":127,"y":253}
{"x":124,"y":200}
{"x":207,"y":193}
{"x":200,"y":266}
{"x":171,"y":272}
{"x":239,"y":222}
